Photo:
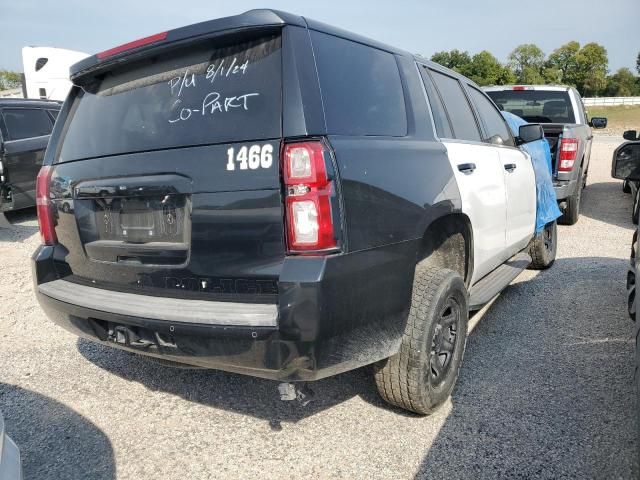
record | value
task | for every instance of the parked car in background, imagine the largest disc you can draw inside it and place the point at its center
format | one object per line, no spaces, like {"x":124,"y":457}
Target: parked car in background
{"x":626,"y":166}
{"x":246,"y":198}
{"x":567,"y":127}
{"x":632,"y":186}
{"x":25,"y":127}
{"x":10,"y":466}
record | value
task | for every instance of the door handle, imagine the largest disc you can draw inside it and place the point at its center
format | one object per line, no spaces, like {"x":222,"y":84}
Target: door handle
{"x":467,"y":167}
{"x":510,"y":167}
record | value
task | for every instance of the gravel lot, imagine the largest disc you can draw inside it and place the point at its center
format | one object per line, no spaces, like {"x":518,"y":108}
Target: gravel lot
{"x":546,"y":390}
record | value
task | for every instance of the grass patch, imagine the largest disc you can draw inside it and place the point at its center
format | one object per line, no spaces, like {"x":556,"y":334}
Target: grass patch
{"x":620,"y":117}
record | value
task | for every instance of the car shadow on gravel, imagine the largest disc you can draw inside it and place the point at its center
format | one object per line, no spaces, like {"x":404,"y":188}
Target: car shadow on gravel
{"x":55,"y":442}
{"x":233,"y":392}
{"x":606,"y":202}
{"x":22,"y":225}
{"x":547,"y":389}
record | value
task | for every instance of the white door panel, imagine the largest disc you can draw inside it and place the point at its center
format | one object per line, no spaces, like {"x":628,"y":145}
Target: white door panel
{"x":521,"y":198}
{"x":483,"y":196}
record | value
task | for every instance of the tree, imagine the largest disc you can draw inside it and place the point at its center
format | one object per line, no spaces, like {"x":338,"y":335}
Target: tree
{"x":9,"y":79}
{"x":485,"y":69}
{"x":527,"y":62}
{"x":552,"y":75}
{"x":592,"y":64}
{"x":623,"y":83}
{"x":455,"y":59}
{"x":563,"y":60}
{"x":638,"y":63}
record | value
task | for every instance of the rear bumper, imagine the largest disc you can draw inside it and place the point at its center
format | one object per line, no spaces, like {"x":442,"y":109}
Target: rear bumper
{"x":334,"y":314}
{"x":564,"y":188}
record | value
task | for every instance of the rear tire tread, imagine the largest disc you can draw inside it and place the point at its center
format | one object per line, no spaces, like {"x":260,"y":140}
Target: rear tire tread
{"x":398,"y":377}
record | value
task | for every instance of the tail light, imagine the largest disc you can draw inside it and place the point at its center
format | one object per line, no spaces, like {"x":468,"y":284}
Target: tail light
{"x":568,"y":153}
{"x":44,"y":207}
{"x":309,"y":222}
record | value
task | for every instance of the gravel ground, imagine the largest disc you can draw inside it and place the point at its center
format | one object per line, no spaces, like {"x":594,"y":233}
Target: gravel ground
{"x":546,"y":390}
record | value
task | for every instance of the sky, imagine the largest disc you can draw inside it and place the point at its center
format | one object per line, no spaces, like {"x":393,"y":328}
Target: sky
{"x":422,"y":27}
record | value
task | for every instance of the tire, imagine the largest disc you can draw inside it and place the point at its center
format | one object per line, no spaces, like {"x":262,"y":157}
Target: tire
{"x":543,"y":247}
{"x":572,"y":210}
{"x":625,"y":186}
{"x":421,"y":376}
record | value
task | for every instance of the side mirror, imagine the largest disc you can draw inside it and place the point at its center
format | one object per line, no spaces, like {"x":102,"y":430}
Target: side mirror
{"x":626,"y":162}
{"x":630,"y":135}
{"x":529,"y":133}
{"x":598,"y":122}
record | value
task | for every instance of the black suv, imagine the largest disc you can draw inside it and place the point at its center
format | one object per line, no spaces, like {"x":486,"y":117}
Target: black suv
{"x":269,"y":195}
{"x":25,"y":126}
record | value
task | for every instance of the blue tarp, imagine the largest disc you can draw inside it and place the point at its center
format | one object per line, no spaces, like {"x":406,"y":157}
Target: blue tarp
{"x":547,"y":205}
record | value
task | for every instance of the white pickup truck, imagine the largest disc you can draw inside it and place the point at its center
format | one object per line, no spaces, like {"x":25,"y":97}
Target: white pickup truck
{"x":566,"y":125}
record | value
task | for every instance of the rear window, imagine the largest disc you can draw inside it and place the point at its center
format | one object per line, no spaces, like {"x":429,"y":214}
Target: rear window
{"x":361,"y":88}
{"x":536,"y":106}
{"x":26,"y":123}
{"x":210,"y":93}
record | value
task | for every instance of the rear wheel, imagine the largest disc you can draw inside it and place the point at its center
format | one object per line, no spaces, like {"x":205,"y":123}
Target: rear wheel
{"x":421,"y":376}
{"x":572,"y":210}
{"x":543,"y":247}
{"x":625,"y":186}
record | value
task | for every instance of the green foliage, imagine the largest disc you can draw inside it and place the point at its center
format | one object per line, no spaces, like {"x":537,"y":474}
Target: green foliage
{"x":584,"y":67}
{"x":9,"y":80}
{"x":563,"y":60}
{"x":623,"y":83}
{"x":485,"y":69}
{"x":455,"y":59}
{"x":592,"y":65}
{"x":527,"y":62}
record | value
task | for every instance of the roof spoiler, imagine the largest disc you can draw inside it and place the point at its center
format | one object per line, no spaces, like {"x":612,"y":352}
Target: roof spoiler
{"x":134,"y":50}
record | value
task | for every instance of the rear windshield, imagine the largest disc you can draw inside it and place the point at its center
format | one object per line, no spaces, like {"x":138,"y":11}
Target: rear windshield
{"x":536,"y":106}
{"x":206,"y":94}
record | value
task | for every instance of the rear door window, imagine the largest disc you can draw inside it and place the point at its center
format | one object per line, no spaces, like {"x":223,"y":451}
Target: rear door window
{"x":53,"y":114}
{"x":492,"y":120}
{"x":361,"y":88}
{"x":462,"y":119}
{"x":26,"y":123}
{"x":210,"y":93}
{"x":536,"y":106}
{"x":443,"y":128}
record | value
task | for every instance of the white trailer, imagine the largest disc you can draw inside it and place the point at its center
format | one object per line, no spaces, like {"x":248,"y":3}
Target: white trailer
{"x":46,"y":71}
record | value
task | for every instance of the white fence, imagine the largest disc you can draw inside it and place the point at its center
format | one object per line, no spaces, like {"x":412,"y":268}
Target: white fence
{"x":611,"y":101}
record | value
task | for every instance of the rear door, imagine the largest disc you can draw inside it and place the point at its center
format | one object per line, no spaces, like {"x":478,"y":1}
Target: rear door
{"x":166,"y":181}
{"x":27,"y":134}
{"x":517,"y":170}
{"x":477,"y":167}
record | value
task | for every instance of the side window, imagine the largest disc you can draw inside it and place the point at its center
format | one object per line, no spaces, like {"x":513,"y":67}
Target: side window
{"x":440,"y":118}
{"x":361,"y":88}
{"x":462,"y":119}
{"x":492,"y":120}
{"x":53,"y":114}
{"x":26,"y":123}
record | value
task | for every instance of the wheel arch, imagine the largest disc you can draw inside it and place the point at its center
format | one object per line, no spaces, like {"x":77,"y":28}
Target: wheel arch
{"x":448,"y":242}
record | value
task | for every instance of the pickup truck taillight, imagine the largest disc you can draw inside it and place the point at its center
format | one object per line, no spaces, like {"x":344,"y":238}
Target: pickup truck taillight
{"x":309,"y":223}
{"x":44,"y":207}
{"x":568,"y":152}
